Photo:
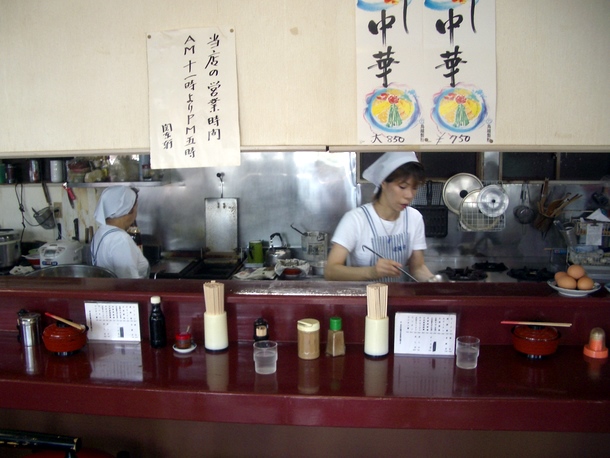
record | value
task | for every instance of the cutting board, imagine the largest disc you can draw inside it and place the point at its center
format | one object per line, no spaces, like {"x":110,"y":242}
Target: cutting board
{"x":221,"y":225}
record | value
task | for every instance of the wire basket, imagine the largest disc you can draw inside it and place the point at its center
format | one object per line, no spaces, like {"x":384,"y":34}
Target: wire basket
{"x":472,"y":219}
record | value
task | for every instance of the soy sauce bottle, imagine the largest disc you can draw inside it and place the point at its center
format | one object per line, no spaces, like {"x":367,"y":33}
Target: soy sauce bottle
{"x":158,"y":336}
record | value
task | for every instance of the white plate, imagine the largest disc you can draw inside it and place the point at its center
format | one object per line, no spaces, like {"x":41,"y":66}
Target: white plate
{"x":573,"y":292}
{"x":184,"y":350}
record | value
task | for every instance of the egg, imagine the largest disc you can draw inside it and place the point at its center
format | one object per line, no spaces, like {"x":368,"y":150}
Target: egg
{"x":559,"y":274}
{"x":575,"y":271}
{"x":585,"y":283}
{"x":566,"y":282}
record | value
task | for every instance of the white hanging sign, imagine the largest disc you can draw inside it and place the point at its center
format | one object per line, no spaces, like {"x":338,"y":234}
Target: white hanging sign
{"x":193,"y":102}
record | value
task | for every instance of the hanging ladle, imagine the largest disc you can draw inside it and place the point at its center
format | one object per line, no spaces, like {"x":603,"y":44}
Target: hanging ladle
{"x":523,"y":212}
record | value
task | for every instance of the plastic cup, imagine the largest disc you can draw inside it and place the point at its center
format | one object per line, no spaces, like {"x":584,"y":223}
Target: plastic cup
{"x":467,"y":352}
{"x":265,"y":356}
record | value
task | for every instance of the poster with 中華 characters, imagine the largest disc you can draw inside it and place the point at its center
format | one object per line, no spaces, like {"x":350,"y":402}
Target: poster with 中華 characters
{"x":426,"y":72}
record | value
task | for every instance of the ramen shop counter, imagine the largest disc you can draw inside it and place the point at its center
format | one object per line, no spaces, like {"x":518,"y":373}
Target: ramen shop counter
{"x":507,"y":391}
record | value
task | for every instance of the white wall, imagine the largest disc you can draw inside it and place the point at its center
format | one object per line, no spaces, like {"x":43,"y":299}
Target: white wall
{"x":74,"y":74}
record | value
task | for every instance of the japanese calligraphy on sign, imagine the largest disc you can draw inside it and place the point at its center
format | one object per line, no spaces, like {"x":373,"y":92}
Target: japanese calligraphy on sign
{"x":194,"y":115}
{"x":426,"y":72}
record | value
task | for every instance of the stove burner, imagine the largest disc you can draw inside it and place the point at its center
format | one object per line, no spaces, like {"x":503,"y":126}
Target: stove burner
{"x":490,"y":266}
{"x":465,"y":274}
{"x":527,"y":274}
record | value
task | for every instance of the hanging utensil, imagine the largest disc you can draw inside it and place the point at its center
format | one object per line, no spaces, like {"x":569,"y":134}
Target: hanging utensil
{"x":457,"y":188}
{"x":47,"y":196}
{"x":492,"y":201}
{"x":71,"y":195}
{"x":302,"y":233}
{"x":544,"y":193}
{"x":524,"y":213}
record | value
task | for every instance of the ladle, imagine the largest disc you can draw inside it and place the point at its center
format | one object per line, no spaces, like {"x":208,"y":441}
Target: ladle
{"x":300,"y":232}
{"x":524,"y":213}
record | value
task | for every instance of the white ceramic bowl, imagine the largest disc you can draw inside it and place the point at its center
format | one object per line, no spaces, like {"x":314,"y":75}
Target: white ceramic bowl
{"x":573,"y":292}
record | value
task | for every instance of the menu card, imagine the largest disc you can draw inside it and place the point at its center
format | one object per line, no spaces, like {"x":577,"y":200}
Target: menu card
{"x":425,"y":333}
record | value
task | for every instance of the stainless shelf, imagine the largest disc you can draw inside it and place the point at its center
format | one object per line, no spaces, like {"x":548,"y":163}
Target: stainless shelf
{"x":105,"y":184}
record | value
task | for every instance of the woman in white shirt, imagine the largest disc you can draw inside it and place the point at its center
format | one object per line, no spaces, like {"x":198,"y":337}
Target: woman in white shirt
{"x":112,"y":247}
{"x":388,"y":225}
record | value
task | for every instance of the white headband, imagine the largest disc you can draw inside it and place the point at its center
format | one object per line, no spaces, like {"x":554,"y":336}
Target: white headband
{"x":379,"y":170}
{"x":115,"y":201}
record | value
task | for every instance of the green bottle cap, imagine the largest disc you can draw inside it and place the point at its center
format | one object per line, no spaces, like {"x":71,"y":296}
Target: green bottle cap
{"x":335,"y":323}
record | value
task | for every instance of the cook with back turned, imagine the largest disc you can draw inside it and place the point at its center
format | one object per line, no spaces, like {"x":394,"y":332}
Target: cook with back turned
{"x":112,"y":247}
{"x":387,"y":225}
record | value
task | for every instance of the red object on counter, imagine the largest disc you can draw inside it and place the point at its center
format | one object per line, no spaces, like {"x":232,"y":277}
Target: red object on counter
{"x":535,"y":341}
{"x":184,"y":340}
{"x":64,"y":339}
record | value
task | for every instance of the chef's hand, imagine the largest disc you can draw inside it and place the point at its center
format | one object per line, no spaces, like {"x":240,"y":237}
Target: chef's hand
{"x":387,"y":268}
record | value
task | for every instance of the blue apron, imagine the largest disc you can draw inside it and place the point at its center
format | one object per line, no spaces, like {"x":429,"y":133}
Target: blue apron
{"x":394,"y":246}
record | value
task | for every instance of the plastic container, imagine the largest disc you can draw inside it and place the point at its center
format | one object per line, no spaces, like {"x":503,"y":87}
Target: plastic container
{"x":308,"y":338}
{"x":215,"y":331}
{"x":376,"y":336}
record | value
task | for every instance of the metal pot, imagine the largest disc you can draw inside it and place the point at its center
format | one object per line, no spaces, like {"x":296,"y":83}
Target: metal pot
{"x":274,"y":254}
{"x":10,"y":248}
{"x":314,"y":244}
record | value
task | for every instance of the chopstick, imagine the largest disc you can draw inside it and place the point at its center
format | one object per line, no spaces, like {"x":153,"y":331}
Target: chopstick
{"x":538,"y":323}
{"x":214,"y":294}
{"x":399,"y":268}
{"x":377,"y":301}
{"x":80,"y":327}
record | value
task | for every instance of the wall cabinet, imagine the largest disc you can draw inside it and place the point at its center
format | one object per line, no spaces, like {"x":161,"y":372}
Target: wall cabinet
{"x":82,"y":87}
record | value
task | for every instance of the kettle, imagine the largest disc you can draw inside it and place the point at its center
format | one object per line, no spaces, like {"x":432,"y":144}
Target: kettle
{"x":274,"y":254}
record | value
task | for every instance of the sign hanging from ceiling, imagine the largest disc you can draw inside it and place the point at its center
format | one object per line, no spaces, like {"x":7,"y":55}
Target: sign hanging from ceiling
{"x":426,"y":72}
{"x":193,"y":103}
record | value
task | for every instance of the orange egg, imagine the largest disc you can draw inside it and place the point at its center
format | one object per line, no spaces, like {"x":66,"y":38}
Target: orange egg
{"x":559,"y":274}
{"x":575,"y":271}
{"x":585,"y":283}
{"x":566,"y":282}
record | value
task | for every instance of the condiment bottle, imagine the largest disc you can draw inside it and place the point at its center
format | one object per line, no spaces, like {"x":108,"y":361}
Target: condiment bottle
{"x":158,"y":336}
{"x":136,"y":235}
{"x":335,"y":344}
{"x":308,"y":338}
{"x":184,"y":340}
{"x":261,"y":330}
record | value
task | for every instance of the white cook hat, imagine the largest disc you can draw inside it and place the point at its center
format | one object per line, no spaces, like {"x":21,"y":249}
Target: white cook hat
{"x":379,"y":170}
{"x":115,"y":201}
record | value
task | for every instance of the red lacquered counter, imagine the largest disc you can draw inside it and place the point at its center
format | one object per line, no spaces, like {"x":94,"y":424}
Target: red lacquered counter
{"x":507,"y":391}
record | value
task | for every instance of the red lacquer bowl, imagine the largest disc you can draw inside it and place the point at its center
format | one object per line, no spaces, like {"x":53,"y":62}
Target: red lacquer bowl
{"x":64,"y":340}
{"x":535,"y":341}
